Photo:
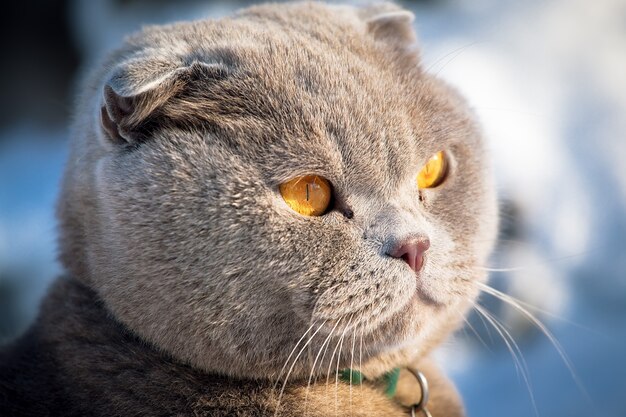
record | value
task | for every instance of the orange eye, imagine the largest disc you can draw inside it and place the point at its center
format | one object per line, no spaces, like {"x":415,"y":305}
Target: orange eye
{"x":308,"y":195}
{"x":434,"y":172}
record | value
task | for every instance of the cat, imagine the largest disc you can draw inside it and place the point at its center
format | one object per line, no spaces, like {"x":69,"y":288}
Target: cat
{"x":251,"y":206}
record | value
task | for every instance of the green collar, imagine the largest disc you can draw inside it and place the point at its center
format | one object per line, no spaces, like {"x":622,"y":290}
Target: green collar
{"x":388,"y":380}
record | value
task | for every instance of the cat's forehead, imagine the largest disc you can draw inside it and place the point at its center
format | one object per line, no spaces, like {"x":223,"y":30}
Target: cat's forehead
{"x":335,"y":113}
{"x":298,"y":100}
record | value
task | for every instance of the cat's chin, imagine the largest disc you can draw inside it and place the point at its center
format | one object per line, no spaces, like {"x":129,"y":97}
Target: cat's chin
{"x":431,"y":314}
{"x":425,"y":294}
{"x":403,"y":350}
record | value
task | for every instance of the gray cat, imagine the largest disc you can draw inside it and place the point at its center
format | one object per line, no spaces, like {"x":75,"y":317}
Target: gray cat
{"x":251,"y":207}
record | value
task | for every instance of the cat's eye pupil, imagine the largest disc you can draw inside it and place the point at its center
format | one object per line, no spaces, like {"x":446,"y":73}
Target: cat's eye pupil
{"x":309,"y":195}
{"x":434,"y":172}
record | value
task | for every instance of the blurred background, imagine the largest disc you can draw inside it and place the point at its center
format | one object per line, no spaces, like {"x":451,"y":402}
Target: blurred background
{"x":548,"y":81}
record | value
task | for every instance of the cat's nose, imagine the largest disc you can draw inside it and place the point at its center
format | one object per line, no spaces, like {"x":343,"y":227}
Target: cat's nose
{"x":411,"y":250}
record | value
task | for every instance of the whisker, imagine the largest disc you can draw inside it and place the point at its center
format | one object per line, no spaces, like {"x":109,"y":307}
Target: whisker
{"x":326,"y":342}
{"x":450,"y":56}
{"x":325,"y":351}
{"x":291,"y":354}
{"x":513,"y":269}
{"x":338,"y":360}
{"x":480,"y":339}
{"x":482,"y":319}
{"x":351,"y":368}
{"x":330,"y":365}
{"x":538,"y":263}
{"x":513,"y":303}
{"x":514,"y":111}
{"x":510,"y":342}
{"x":500,"y":326}
{"x":361,"y":355}
{"x":532,"y":307}
{"x":294,"y":364}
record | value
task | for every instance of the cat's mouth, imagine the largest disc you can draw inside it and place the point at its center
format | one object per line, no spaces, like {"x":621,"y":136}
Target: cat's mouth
{"x":423,"y":290}
{"x":388,"y":298}
{"x":410,"y":309}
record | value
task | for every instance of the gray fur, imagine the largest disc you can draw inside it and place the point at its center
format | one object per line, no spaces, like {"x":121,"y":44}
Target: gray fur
{"x":170,"y":211}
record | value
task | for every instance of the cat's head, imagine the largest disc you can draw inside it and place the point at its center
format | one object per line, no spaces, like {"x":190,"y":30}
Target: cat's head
{"x":177,"y":208}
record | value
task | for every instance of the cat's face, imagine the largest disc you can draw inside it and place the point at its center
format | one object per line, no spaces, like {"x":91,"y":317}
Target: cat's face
{"x":185,"y":232}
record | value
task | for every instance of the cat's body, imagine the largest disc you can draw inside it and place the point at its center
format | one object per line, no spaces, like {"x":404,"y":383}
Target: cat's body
{"x":193,"y":286}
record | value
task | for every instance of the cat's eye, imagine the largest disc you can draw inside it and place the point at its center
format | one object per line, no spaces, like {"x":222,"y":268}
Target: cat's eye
{"x":434,"y":172}
{"x":308,"y":195}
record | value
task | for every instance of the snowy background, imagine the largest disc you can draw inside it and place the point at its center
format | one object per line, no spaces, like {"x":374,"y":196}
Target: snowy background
{"x":548,"y":81}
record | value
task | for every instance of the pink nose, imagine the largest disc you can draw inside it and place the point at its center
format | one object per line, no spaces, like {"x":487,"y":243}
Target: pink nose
{"x":412,"y":251}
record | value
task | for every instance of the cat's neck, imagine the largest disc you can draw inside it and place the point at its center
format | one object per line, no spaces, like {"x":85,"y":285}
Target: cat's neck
{"x":88,"y":363}
{"x":92,"y":365}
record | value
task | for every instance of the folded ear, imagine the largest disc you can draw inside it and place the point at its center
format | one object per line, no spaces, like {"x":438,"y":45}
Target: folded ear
{"x":131,"y":102}
{"x":393,"y":26}
{"x":390,"y":23}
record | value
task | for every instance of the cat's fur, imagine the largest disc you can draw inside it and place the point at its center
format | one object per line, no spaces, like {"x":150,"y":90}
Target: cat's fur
{"x":190,"y":281}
